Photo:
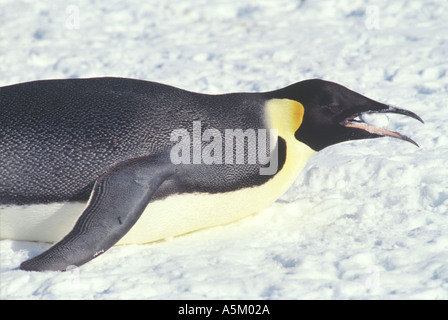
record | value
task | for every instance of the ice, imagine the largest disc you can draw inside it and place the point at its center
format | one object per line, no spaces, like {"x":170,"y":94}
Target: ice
{"x":376,"y":120}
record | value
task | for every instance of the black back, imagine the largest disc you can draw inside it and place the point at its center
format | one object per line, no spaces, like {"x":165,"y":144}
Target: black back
{"x":58,"y":136}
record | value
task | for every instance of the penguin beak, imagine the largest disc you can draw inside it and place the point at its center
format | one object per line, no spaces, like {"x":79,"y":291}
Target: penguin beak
{"x":356,"y":121}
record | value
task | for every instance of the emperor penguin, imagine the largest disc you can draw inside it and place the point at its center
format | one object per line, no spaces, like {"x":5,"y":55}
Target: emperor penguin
{"x":90,"y":163}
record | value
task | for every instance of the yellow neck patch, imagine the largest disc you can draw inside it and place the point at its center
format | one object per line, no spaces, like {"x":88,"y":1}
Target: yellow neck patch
{"x":286,"y":116}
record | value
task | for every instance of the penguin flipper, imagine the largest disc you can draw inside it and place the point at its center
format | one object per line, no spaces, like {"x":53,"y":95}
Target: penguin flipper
{"x":118,"y":199}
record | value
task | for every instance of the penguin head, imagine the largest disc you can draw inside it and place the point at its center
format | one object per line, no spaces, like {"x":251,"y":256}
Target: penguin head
{"x":333,"y":114}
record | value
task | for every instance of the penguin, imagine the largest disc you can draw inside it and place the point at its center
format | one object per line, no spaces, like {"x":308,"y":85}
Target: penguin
{"x":91,"y":163}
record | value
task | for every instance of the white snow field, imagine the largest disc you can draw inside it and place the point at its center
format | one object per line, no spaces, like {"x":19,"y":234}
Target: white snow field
{"x":364,"y":220}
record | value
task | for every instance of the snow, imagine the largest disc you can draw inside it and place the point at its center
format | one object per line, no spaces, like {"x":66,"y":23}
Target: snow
{"x":364,"y":220}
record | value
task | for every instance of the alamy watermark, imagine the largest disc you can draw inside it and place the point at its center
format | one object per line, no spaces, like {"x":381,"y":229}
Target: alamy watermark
{"x":372,"y":21}
{"x":73,"y":277}
{"x":233,"y":146}
{"x":72,"y":20}
{"x":372,"y":281}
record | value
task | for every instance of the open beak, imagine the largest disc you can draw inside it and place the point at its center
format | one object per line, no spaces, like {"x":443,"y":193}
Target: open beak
{"x":355,"y":121}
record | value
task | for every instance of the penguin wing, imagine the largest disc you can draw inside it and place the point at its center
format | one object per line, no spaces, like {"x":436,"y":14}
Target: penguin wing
{"x":117,"y":201}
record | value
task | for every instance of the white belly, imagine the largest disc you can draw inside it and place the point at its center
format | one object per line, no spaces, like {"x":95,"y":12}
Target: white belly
{"x":160,"y":220}
{"x":43,"y":222}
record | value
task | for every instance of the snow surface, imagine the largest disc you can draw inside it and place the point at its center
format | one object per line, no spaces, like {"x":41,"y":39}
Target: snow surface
{"x":364,"y":220}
